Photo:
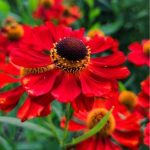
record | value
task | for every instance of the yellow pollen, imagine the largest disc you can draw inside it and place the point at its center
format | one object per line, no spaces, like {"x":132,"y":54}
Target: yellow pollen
{"x":70,"y":66}
{"x":146,"y":47}
{"x":2,"y":100}
{"x":94,"y":32}
{"x":27,"y":71}
{"x":96,"y":115}
{"x":14,"y":31}
{"x":128,"y":98}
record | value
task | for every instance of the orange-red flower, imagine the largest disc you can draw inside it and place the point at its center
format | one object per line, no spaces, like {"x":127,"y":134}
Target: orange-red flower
{"x":65,"y":64}
{"x":147,"y":135}
{"x":121,"y":129}
{"x":140,"y":53}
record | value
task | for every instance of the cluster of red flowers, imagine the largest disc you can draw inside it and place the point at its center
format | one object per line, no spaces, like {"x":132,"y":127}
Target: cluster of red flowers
{"x":49,"y":62}
{"x":56,"y":11}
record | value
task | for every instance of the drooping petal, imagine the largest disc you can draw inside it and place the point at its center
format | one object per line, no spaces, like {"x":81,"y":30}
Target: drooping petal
{"x":35,"y":107}
{"x":67,"y":90}
{"x":94,"y":85}
{"x":39,"y":84}
{"x":83,"y":103}
{"x":9,"y":99}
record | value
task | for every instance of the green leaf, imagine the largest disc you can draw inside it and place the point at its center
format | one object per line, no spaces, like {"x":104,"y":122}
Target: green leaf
{"x":57,"y":108}
{"x":4,"y":7}
{"x":90,"y":3}
{"x":113,"y":27}
{"x":94,"y":13}
{"x":33,"y":4}
{"x":26,"y":125}
{"x":93,"y":131}
{"x":121,"y":86}
{"x":4,"y":144}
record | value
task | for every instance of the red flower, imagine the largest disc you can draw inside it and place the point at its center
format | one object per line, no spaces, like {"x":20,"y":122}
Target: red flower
{"x":144,"y":98}
{"x":69,"y":15}
{"x":140,"y":53}
{"x":147,"y":135}
{"x":32,"y":107}
{"x":49,"y":10}
{"x":121,"y":126}
{"x":65,"y":64}
{"x":11,"y":33}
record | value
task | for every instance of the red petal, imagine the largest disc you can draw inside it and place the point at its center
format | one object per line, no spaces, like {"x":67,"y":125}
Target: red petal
{"x":73,"y":126}
{"x":135,"y":47}
{"x":67,"y":90}
{"x":100,"y":44}
{"x":89,"y":144}
{"x":110,"y":72}
{"x":6,"y":79}
{"x":143,"y":100}
{"x":113,"y":60}
{"x":128,"y":139}
{"x":40,"y":83}
{"x":9,"y":99}
{"x":138,"y":58}
{"x":9,"y":69}
{"x":35,"y":107}
{"x":93,"y":85}
{"x":83,"y":103}
{"x":131,"y":123}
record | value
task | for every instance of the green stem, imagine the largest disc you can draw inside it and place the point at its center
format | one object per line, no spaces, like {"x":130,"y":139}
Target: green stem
{"x":52,"y":127}
{"x":68,"y":107}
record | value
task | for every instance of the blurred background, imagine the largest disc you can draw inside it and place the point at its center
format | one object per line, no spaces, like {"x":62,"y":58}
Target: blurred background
{"x":125,"y":20}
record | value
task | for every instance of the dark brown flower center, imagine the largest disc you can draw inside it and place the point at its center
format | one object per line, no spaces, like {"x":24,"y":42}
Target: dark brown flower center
{"x":71,"y":49}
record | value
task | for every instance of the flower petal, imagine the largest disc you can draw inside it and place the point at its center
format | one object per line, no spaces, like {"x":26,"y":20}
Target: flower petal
{"x":119,"y":72}
{"x":6,"y":79}
{"x":128,"y":139}
{"x":138,"y":58}
{"x":115,"y":59}
{"x":39,"y":84}
{"x":67,"y":90}
{"x":35,"y":107}
{"x":9,"y":99}
{"x":93,"y":85}
{"x":72,"y":125}
{"x":83,"y":103}
{"x":135,"y":47}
